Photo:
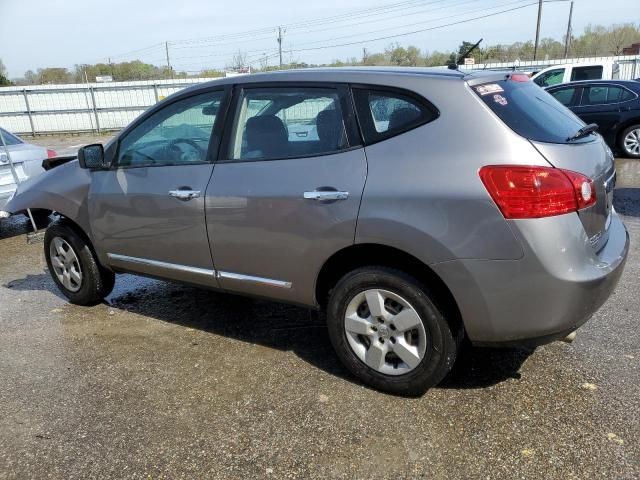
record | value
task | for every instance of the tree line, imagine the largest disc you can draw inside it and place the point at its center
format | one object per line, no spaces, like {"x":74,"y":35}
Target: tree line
{"x":595,"y":40}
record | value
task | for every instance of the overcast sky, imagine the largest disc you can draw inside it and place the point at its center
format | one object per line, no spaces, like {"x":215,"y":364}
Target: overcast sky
{"x":61,"y":33}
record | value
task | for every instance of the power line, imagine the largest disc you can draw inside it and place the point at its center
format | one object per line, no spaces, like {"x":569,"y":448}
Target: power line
{"x":423,"y":21}
{"x":387,"y":37}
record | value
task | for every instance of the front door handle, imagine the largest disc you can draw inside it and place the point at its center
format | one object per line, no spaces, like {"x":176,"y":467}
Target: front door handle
{"x":184,"y":195}
{"x":326,"y":196}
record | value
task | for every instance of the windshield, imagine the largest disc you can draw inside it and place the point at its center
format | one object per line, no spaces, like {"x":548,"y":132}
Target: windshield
{"x":530,"y":111}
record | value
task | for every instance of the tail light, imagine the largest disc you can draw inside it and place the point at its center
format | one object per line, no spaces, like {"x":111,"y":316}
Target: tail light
{"x":51,"y":153}
{"x":535,"y":192}
{"x":519,"y":77}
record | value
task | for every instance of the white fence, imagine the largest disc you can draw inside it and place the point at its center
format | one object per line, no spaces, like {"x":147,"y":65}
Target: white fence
{"x":88,"y":107}
{"x":45,"y":109}
{"x":629,"y":64}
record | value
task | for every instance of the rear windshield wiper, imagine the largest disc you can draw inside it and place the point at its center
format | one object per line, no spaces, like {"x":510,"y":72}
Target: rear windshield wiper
{"x":583,"y":132}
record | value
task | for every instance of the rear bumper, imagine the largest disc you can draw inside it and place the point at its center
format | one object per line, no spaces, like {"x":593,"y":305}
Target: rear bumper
{"x":554,"y":289}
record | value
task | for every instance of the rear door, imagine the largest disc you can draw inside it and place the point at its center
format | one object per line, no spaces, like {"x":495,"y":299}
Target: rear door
{"x":285,"y":192}
{"x":601,"y":104}
{"x":148,"y":210}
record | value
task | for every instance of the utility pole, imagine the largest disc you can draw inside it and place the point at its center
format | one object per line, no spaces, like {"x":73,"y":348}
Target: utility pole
{"x":535,"y":48}
{"x":111,"y":67}
{"x":280,"y":44}
{"x":166,"y":48}
{"x":567,"y":41}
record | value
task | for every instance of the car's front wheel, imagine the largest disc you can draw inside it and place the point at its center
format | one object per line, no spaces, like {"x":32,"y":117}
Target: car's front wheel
{"x":74,"y":267}
{"x":630,"y":141}
{"x":388,"y":331}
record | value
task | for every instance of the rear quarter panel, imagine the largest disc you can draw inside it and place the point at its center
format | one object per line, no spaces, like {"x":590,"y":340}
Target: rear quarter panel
{"x":423,"y":194}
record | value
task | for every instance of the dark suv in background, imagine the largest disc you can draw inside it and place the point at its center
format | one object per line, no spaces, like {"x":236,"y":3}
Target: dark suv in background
{"x":613,"y":105}
{"x":415,"y":207}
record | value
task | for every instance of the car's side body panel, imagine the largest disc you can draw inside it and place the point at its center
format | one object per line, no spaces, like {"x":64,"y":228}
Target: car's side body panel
{"x":441,"y":211}
{"x":64,"y":189}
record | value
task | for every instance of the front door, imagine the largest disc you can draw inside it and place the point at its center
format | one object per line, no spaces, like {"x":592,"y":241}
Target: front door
{"x":286,"y":191}
{"x":148,"y":210}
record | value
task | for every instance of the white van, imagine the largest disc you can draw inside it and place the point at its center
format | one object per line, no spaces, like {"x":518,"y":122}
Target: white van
{"x":576,"y":71}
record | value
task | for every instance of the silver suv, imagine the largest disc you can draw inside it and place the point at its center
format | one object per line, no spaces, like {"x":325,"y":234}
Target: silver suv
{"x":415,"y":207}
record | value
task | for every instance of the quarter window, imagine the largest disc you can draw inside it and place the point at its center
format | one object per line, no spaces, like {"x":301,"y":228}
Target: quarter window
{"x":273,"y":123}
{"x":383,"y":114}
{"x":175,"y":135}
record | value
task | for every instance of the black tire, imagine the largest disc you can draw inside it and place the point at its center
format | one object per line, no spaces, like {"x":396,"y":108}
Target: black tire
{"x":621,"y":145}
{"x":97,"y":282}
{"x":443,"y":338}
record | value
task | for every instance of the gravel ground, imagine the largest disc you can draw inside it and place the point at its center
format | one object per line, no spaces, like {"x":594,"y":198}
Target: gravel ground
{"x":166,"y":381}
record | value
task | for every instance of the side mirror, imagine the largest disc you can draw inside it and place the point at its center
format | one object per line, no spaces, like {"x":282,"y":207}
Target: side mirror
{"x":91,"y":157}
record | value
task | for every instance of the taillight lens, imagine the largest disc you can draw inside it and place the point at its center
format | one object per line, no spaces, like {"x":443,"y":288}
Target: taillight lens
{"x":535,"y":192}
{"x":51,"y":153}
{"x":519,"y":77}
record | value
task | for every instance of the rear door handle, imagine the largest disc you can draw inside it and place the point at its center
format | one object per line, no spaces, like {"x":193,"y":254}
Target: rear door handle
{"x":184,"y":195}
{"x":326,"y":196}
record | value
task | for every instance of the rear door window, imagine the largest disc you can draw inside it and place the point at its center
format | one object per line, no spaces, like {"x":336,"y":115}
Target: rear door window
{"x":530,"y":111}
{"x":288,"y":122}
{"x":383,"y":114}
{"x":552,"y":77}
{"x":593,"y":72}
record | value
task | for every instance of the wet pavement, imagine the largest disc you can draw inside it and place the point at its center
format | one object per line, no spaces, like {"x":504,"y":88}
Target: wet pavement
{"x":167,"y":381}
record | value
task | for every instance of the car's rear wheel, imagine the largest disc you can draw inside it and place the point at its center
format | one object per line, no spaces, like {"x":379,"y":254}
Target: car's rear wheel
{"x":74,"y":267}
{"x":389,"y":332}
{"x":630,"y":141}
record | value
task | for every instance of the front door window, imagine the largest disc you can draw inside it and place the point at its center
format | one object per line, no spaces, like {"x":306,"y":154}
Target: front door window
{"x":176,"y":135}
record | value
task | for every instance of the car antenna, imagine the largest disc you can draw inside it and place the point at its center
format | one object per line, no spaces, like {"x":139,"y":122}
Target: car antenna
{"x":459,"y":58}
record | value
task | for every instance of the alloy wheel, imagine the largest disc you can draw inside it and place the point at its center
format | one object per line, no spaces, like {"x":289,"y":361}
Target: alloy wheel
{"x":632,"y":142}
{"x":65,"y":263}
{"x":385,"y":332}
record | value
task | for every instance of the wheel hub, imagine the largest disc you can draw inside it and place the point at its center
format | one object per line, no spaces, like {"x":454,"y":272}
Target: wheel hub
{"x":383,"y":332}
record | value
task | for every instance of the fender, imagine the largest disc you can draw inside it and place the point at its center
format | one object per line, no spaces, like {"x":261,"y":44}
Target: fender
{"x":63,"y":189}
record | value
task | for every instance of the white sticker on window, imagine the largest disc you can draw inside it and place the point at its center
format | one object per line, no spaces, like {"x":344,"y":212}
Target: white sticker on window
{"x":500,"y":99}
{"x":489,"y":88}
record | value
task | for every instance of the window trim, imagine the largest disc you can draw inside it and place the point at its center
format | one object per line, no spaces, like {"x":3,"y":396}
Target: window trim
{"x":608,"y":85}
{"x":216,"y":132}
{"x":382,"y":136}
{"x":348,"y":116}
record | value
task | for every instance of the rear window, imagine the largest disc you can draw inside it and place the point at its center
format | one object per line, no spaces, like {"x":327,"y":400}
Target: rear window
{"x":9,"y":138}
{"x":530,"y":111}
